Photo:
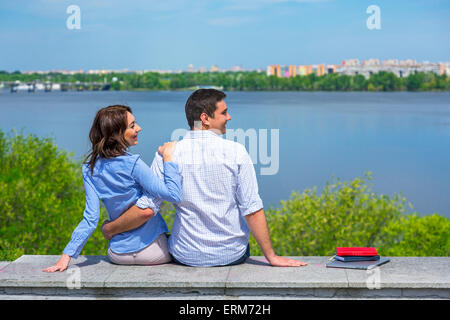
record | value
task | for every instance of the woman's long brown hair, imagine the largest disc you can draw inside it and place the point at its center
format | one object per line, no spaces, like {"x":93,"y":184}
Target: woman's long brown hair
{"x":107,"y":134}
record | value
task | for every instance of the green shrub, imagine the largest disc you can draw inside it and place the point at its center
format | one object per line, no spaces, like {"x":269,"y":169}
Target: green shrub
{"x":417,"y":236}
{"x":41,"y":198}
{"x":167,"y":211}
{"x":351,"y":215}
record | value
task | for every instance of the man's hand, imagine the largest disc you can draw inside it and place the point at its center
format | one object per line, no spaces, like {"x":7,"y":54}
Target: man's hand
{"x":106,"y":234}
{"x":258,"y":225}
{"x":278,"y":261}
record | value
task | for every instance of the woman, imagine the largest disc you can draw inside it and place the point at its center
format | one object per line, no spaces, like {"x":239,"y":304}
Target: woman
{"x":119,"y":178}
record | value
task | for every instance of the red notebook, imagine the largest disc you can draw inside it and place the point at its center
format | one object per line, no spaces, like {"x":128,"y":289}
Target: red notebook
{"x":356,"y":251}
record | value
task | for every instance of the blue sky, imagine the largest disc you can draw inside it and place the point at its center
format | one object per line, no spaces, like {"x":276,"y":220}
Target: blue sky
{"x":171,"y":34}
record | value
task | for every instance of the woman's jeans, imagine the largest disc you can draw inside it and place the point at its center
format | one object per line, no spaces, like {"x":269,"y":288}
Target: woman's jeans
{"x":156,"y":253}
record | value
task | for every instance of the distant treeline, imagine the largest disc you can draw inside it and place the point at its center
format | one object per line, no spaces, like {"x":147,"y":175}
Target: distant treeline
{"x":249,"y":81}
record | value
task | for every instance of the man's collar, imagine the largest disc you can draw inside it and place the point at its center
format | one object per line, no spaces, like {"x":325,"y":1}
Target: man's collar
{"x":192,"y":134}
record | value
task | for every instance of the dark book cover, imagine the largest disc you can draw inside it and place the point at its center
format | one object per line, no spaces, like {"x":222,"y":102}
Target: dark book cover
{"x":364,"y":265}
{"x":357,"y":258}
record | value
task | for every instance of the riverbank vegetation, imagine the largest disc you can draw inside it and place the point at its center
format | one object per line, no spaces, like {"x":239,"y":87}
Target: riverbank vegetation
{"x":42,"y":200}
{"x":248,"y":81}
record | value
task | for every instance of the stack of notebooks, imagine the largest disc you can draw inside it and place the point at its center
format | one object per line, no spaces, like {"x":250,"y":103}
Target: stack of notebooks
{"x":356,"y":258}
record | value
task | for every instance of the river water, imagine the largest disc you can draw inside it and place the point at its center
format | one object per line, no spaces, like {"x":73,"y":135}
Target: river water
{"x":403,"y":138}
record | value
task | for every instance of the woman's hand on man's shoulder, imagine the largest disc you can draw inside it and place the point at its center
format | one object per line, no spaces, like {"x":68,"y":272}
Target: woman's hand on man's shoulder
{"x":166,"y":150}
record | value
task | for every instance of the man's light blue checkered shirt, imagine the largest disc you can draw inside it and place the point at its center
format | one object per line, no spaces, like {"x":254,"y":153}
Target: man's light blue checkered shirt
{"x":219,"y":189}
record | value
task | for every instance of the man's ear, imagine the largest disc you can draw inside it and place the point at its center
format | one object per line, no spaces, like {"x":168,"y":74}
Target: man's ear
{"x":205,"y":119}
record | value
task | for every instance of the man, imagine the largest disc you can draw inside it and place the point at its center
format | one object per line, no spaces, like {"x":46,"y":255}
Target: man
{"x":220,"y":201}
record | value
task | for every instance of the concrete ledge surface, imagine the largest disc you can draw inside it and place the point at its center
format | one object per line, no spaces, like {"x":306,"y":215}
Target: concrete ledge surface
{"x":96,"y":277}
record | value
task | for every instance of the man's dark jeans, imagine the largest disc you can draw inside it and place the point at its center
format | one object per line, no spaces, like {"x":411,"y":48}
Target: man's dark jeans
{"x":238,"y":261}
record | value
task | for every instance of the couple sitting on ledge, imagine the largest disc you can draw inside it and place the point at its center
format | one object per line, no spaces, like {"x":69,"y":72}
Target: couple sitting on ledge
{"x":211,"y":182}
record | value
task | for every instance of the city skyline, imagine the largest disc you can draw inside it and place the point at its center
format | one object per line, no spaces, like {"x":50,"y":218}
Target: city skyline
{"x":148,"y":35}
{"x":346,"y":63}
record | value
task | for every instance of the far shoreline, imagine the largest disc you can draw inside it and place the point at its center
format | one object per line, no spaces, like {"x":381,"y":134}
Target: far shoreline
{"x":5,"y":90}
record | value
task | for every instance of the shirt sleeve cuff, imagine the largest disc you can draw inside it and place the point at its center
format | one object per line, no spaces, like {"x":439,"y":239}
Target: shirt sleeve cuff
{"x":255,"y":206}
{"x":76,"y":244}
{"x":147,"y":202}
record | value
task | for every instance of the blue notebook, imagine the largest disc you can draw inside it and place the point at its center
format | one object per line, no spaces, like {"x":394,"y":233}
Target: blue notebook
{"x":364,"y":265}
{"x":356,"y":258}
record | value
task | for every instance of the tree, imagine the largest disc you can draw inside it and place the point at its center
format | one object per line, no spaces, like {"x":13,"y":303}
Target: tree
{"x":41,"y":198}
{"x":359,"y":83}
{"x":414,"y":81}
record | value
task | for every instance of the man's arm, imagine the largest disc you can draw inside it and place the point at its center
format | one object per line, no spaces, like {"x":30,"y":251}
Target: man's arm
{"x":258,"y":226}
{"x":129,"y":220}
{"x":136,"y":216}
{"x":251,"y":207}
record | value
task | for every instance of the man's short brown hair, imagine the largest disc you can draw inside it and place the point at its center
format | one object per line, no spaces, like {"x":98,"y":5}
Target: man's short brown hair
{"x":202,"y":101}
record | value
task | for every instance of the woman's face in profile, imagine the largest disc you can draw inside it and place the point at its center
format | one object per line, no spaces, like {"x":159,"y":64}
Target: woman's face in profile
{"x":133,"y":128}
